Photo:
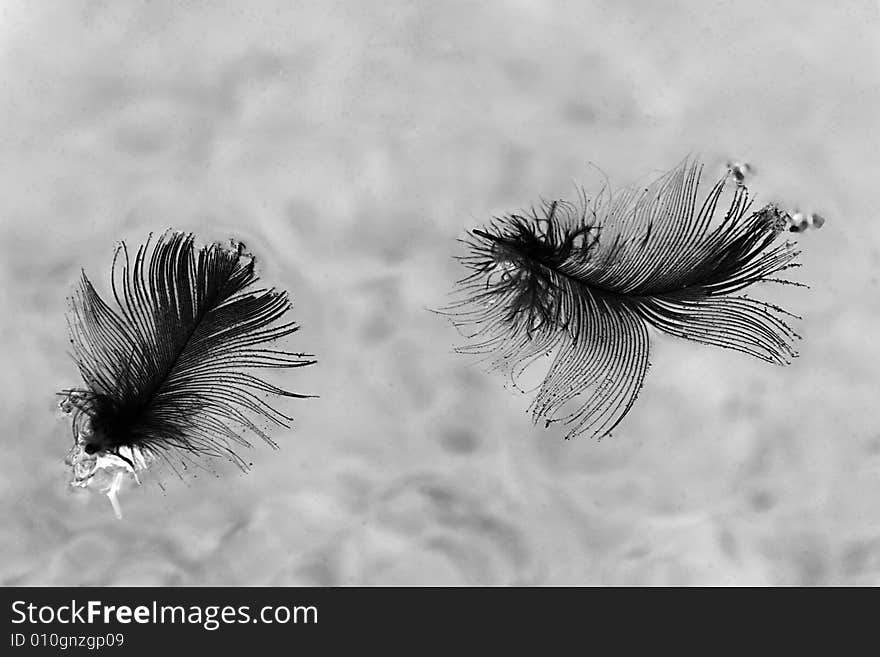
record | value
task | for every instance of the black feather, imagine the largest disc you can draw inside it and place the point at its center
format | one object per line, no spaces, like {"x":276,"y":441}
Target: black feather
{"x":587,"y":279}
{"x":165,"y":371}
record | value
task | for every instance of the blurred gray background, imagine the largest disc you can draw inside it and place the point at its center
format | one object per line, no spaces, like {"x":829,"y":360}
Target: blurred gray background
{"x":349,"y":144}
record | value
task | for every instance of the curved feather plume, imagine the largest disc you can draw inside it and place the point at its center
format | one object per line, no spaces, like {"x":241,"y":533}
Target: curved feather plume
{"x":586,"y":279}
{"x":165,"y":371}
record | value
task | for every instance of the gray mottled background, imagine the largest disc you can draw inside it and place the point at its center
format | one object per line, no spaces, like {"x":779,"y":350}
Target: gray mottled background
{"x":350,"y":144}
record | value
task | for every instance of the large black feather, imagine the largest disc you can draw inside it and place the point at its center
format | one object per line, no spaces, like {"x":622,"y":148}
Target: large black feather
{"x":587,"y":279}
{"x":165,"y":372}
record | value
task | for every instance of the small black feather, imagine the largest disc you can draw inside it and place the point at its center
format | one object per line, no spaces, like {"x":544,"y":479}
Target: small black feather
{"x":586,"y":279}
{"x":165,"y":371}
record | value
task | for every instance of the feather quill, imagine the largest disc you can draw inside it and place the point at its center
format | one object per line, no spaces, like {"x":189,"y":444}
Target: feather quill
{"x":167,"y":372}
{"x":585,"y":280}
